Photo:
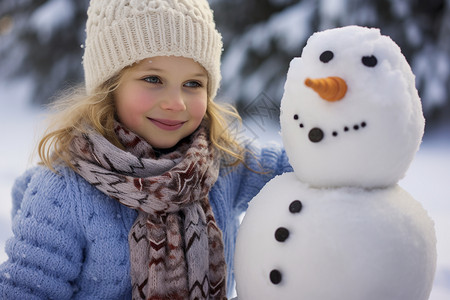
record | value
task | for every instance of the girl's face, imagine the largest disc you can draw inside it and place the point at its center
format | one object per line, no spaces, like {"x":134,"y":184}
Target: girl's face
{"x":162,"y":99}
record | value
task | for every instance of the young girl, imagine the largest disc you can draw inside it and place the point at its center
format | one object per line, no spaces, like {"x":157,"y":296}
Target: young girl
{"x":141,"y":182}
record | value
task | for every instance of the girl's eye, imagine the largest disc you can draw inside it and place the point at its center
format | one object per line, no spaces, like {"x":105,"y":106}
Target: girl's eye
{"x":152,"y":79}
{"x":193,"y":84}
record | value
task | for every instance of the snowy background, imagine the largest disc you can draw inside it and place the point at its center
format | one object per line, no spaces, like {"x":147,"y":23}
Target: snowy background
{"x":40,"y":53}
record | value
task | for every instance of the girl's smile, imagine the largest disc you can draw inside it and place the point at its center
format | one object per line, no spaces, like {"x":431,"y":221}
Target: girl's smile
{"x":167,"y":124}
{"x":162,"y":99}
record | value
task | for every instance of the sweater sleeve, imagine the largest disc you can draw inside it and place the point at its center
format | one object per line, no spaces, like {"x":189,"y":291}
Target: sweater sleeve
{"x":45,"y":253}
{"x":262,"y":165}
{"x":18,"y":190}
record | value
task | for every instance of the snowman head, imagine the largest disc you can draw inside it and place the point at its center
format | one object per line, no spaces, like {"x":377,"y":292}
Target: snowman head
{"x":350,"y":113}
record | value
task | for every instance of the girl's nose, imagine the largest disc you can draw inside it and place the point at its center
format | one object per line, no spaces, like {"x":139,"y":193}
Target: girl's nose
{"x":173,"y":100}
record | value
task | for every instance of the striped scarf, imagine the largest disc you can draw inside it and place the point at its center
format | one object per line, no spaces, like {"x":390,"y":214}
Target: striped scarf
{"x":176,"y":247}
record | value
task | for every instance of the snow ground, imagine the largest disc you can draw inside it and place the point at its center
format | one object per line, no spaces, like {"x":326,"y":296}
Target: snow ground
{"x":428,"y":178}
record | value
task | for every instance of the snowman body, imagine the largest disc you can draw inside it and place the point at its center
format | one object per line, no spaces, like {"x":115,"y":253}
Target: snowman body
{"x":343,"y":243}
{"x":339,"y":227}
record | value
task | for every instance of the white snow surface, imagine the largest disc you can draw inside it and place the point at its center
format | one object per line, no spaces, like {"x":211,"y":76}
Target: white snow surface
{"x":427,"y":179}
{"x":370,"y":135}
{"x":345,"y":243}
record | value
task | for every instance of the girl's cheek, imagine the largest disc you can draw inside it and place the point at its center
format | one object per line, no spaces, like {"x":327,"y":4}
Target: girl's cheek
{"x":198,"y":109}
{"x":134,"y":106}
{"x":143,"y":101}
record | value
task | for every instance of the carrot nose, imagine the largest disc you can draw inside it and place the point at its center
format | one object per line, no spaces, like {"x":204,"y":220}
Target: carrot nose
{"x":329,"y":88}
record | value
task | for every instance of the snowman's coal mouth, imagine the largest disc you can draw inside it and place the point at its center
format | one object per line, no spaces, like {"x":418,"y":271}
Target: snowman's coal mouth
{"x":317,"y":134}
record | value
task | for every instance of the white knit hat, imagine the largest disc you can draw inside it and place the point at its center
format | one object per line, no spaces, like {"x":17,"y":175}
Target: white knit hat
{"x":120,"y":33}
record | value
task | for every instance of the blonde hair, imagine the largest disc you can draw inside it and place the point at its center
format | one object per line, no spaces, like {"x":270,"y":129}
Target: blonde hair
{"x":75,"y":108}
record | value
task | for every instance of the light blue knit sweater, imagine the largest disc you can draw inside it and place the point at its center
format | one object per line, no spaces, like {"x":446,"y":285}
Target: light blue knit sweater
{"x":70,"y":240}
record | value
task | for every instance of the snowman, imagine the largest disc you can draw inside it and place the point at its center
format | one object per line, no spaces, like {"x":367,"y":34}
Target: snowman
{"x":340,"y":227}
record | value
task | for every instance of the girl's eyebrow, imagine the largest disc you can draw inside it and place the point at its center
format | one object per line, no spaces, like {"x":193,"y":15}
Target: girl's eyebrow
{"x":150,"y":68}
{"x":200,"y":75}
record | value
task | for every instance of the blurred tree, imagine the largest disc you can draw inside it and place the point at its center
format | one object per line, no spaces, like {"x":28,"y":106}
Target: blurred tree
{"x":40,"y":40}
{"x":260,"y":39}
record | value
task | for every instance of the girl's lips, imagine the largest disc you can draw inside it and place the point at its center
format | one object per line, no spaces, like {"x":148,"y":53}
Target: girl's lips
{"x":167,"y":124}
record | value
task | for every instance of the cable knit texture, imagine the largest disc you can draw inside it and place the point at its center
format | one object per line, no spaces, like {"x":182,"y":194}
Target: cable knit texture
{"x":120,"y":33}
{"x":70,"y":240}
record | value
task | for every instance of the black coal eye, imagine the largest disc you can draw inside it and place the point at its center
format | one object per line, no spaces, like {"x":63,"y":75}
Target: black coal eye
{"x":326,"y":56}
{"x":369,"y":61}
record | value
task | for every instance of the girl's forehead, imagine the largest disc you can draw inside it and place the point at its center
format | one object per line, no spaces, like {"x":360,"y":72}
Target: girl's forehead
{"x":168,"y":62}
{"x":169,"y":65}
